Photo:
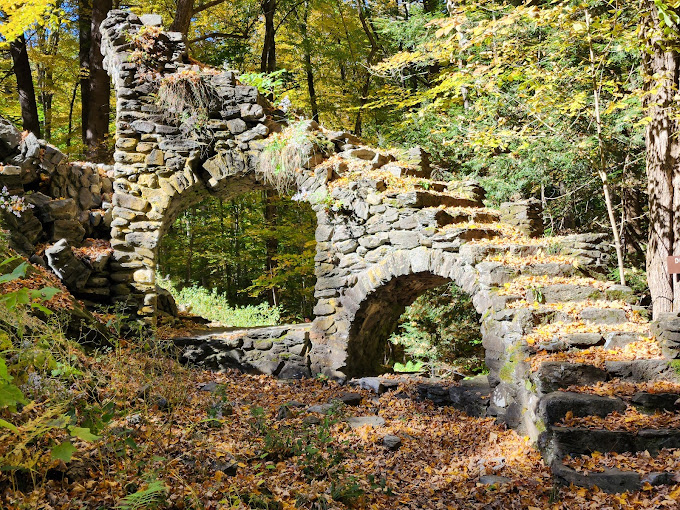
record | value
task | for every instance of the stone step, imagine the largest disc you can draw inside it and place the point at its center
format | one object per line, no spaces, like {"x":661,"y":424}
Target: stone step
{"x":549,"y":269}
{"x":581,"y":440}
{"x":575,"y":341}
{"x":423,"y":199}
{"x":563,"y":293}
{"x":653,"y":402}
{"x":555,"y":406}
{"x":474,"y":254}
{"x":446,"y":217}
{"x":555,"y":375}
{"x":453,"y":239}
{"x":611,"y":480}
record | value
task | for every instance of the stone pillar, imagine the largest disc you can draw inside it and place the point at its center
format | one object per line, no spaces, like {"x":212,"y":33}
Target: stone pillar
{"x":526,"y":215}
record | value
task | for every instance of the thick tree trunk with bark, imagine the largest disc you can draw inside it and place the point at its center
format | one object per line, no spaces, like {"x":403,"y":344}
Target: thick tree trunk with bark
{"x":663,"y":160}
{"x":268,"y":61}
{"x":182,"y":21}
{"x":22,"y":70}
{"x":99,"y":89}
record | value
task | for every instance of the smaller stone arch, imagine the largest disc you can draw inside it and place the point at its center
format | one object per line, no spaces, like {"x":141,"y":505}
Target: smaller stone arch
{"x":381,"y":295}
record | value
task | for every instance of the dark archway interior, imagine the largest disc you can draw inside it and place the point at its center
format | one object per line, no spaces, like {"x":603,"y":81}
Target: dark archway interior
{"x":378,"y":318}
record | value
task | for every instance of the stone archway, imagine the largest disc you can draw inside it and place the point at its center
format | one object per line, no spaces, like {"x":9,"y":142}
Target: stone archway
{"x":164,"y":164}
{"x":385,"y":231}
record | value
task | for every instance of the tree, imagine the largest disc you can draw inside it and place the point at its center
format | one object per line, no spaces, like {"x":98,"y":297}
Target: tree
{"x":268,"y":60}
{"x":662,"y":72}
{"x":95,"y":86}
{"x":15,"y":19}
{"x":25,"y":88}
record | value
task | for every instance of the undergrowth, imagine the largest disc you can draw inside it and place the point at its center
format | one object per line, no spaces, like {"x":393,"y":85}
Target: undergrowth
{"x":214,"y":306}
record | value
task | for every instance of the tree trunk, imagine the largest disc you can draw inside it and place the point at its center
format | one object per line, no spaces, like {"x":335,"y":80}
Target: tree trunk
{"x":72,"y":106}
{"x":99,"y":89}
{"x":308,"y":65}
{"x":190,"y":214}
{"x":85,"y":40}
{"x":375,"y":47}
{"x":22,"y":70}
{"x":602,"y":164}
{"x":182,"y":21}
{"x":271,"y":242}
{"x":268,"y":61}
{"x":663,"y":155}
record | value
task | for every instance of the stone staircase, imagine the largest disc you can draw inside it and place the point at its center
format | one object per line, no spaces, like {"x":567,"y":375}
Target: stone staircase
{"x":579,"y":335}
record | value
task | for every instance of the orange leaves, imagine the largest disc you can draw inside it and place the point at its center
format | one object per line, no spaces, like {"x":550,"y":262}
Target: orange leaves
{"x":540,"y":257}
{"x":626,"y":389}
{"x":521,"y":284}
{"x":632,"y":420}
{"x":597,"y":356}
{"x":93,"y":248}
{"x":547,"y":332}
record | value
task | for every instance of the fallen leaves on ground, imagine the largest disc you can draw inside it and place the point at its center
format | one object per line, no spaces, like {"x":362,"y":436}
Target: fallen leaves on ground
{"x":598,"y":356}
{"x":214,"y":461}
{"x":93,"y":248}
{"x":619,"y":388}
{"x":641,"y":462}
{"x":631,"y":420}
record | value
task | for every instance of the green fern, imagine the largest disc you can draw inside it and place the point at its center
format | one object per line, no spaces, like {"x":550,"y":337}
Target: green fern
{"x":147,"y":498}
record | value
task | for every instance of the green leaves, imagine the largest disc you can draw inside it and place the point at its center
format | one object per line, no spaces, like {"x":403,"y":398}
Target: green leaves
{"x":63,"y":451}
{"x":18,"y":272}
{"x":10,"y":395}
{"x":669,"y":17}
{"x":83,"y":434}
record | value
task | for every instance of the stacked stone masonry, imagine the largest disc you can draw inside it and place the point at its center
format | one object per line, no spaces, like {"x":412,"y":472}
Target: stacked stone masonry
{"x":379,"y":244}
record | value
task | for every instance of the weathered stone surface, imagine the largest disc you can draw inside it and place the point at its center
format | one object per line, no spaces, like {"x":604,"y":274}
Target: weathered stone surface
{"x":652,"y":402}
{"x":554,"y":375}
{"x":604,"y":315}
{"x":362,"y":421}
{"x":392,"y":442}
{"x":66,"y":266}
{"x":554,"y":406}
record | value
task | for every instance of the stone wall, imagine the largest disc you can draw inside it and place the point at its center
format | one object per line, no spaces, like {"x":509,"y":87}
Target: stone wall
{"x":69,"y":205}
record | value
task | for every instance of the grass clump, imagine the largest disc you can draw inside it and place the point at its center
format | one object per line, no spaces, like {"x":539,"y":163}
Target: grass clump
{"x":288,"y":152}
{"x":214,"y":306}
{"x":185,"y":98}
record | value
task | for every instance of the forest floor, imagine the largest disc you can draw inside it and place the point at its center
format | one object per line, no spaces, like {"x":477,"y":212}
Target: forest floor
{"x":179,"y":437}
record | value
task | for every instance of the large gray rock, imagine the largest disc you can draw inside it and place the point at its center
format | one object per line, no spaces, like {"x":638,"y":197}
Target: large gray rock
{"x":10,"y":138}
{"x":72,"y":272}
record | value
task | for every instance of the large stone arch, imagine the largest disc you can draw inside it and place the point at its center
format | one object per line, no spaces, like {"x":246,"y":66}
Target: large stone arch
{"x":164,"y":164}
{"x":381,"y":241}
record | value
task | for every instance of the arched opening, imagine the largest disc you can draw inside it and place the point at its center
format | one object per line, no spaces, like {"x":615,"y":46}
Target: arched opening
{"x":380,"y":319}
{"x":241,"y":258}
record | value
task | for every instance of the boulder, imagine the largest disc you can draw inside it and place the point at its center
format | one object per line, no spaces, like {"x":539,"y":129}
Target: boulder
{"x":10,"y":138}
{"x":71,"y":271}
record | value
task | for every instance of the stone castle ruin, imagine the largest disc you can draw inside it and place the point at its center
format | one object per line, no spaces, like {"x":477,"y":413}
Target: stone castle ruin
{"x":386,"y":232}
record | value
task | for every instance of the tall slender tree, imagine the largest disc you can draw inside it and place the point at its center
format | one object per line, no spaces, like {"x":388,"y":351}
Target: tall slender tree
{"x":24,"y":76}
